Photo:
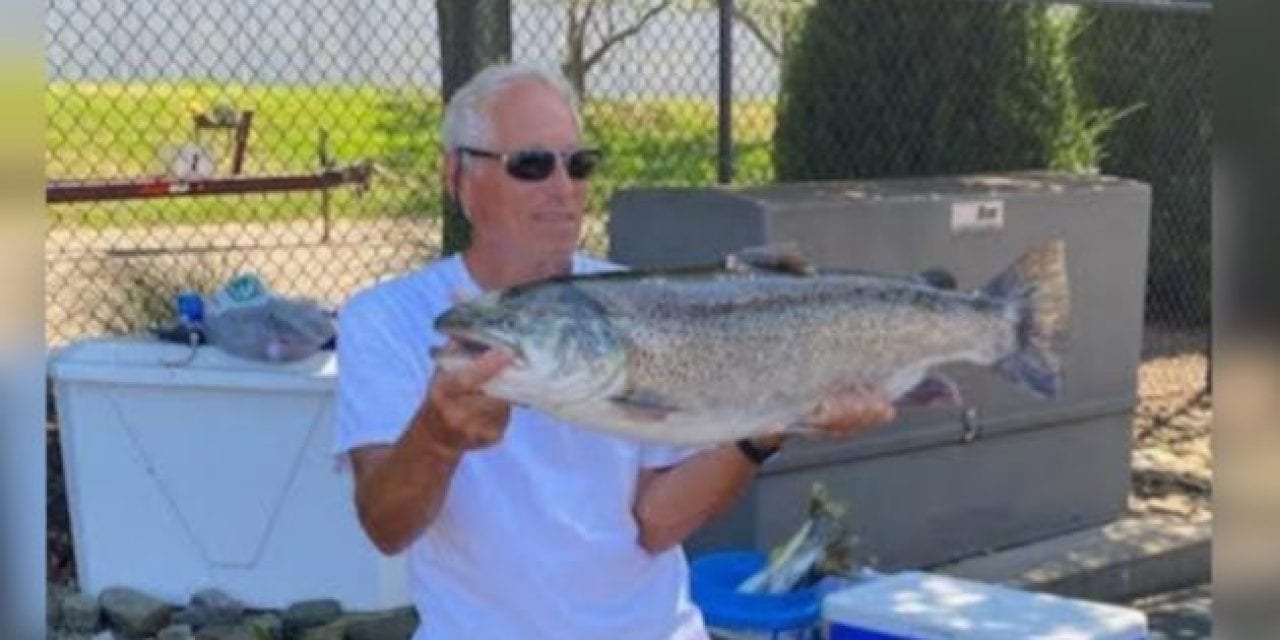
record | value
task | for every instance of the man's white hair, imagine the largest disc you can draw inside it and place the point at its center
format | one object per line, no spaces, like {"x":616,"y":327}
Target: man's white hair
{"x":466,"y":118}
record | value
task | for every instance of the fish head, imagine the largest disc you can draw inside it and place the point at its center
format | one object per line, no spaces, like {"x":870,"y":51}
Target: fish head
{"x":561,"y":343}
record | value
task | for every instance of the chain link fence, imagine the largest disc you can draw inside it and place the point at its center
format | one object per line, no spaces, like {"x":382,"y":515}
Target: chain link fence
{"x":310,"y":129}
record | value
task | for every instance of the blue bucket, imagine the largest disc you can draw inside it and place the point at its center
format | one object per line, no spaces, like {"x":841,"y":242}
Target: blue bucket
{"x":714,"y":579}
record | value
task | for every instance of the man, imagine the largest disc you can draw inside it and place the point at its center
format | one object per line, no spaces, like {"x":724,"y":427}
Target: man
{"x":517,"y":525}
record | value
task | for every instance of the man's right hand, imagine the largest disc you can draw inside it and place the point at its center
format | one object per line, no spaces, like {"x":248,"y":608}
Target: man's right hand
{"x":461,"y":416}
{"x":400,"y":488}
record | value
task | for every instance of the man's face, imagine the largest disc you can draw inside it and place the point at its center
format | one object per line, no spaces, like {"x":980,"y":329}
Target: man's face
{"x":537,"y":218}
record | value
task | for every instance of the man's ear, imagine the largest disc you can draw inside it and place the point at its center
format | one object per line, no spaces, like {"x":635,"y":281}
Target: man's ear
{"x":451,"y":174}
{"x":452,"y":169}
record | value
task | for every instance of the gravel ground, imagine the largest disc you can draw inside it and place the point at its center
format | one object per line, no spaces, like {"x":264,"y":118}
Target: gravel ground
{"x":1173,"y":475}
{"x":1172,"y":457}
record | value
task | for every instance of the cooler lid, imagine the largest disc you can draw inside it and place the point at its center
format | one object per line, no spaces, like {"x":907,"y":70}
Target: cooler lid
{"x":922,"y":605}
{"x":146,"y":360}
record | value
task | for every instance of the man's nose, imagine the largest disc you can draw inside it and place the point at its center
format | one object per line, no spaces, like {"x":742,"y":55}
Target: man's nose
{"x":559,"y":181}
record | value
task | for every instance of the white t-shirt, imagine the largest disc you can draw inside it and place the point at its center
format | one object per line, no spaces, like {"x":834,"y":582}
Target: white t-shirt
{"x":536,"y":537}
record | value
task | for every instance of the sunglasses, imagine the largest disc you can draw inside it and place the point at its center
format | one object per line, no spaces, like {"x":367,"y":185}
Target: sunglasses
{"x":533,"y":165}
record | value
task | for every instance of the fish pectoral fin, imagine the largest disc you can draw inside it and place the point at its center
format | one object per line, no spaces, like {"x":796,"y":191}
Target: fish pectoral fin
{"x":781,"y":258}
{"x":935,"y":390}
{"x":644,"y":404}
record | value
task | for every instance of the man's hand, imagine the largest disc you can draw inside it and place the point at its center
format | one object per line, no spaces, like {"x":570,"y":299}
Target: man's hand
{"x":400,"y":487}
{"x":462,"y":416}
{"x":841,"y":414}
{"x":849,"y":412}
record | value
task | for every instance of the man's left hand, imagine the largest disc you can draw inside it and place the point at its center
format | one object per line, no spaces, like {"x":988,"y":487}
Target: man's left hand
{"x":842,"y":414}
{"x":849,"y":412}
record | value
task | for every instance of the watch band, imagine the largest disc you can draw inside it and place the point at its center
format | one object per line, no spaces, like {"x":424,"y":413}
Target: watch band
{"x":755,"y":453}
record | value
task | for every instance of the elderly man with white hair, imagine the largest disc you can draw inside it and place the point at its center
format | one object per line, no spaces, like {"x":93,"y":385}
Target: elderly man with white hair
{"x":517,"y":525}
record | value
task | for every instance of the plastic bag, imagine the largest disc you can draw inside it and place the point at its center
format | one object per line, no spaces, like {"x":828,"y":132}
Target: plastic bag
{"x":245,"y":319}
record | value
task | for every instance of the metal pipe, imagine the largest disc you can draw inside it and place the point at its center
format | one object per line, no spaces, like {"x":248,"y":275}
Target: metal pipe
{"x":242,"y":139}
{"x":724,"y":151}
{"x":92,"y":191}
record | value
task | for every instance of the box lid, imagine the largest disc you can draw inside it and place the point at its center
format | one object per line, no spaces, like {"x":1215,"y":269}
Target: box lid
{"x":926,"y":606}
{"x":148,"y":361}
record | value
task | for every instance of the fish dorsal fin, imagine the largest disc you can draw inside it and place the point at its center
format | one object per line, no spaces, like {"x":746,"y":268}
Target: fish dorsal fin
{"x":781,"y":258}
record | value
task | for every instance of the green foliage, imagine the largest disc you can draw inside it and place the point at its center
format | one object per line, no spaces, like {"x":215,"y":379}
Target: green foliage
{"x":879,"y":88}
{"x":1160,"y":64}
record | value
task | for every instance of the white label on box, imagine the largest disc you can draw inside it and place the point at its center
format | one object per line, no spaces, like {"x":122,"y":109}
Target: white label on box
{"x":987,"y":215}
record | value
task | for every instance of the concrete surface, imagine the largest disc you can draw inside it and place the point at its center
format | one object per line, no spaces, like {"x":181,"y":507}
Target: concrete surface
{"x":1124,"y":560}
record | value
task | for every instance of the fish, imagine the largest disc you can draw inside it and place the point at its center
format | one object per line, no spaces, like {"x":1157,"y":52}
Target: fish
{"x":822,"y":546}
{"x":752,"y":345}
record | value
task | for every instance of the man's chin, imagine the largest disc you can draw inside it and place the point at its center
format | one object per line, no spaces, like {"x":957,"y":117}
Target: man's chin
{"x":561,"y":241}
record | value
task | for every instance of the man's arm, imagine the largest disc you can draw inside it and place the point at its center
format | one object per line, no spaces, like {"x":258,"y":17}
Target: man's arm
{"x":400,"y":487}
{"x":672,"y":503}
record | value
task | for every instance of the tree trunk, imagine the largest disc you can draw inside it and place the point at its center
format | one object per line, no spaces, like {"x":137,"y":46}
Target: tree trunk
{"x":473,"y":34}
{"x":575,"y":36}
{"x":575,"y":71}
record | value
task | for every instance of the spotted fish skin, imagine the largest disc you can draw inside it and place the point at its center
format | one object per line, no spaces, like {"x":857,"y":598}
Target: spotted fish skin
{"x":710,"y":356}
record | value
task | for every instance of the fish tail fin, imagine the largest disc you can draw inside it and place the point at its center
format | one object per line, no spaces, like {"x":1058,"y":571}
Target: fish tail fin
{"x":1036,"y":289}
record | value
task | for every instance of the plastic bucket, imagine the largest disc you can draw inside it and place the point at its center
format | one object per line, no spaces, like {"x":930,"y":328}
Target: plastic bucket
{"x":738,"y":616}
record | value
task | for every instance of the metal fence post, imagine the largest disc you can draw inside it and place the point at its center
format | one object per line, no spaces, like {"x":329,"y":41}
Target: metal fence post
{"x":725,"y":108}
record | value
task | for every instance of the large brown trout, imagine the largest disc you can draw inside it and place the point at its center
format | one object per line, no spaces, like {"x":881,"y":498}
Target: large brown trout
{"x":710,"y":355}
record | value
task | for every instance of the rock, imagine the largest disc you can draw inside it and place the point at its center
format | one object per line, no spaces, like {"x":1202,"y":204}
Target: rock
{"x":176,"y":632}
{"x":1172,"y":504}
{"x":135,"y":614}
{"x":215,"y":607}
{"x":266,"y":626}
{"x":63,"y":634}
{"x":397,"y":624}
{"x":308,"y":614}
{"x":226,"y":632}
{"x":54,"y":594}
{"x":190,"y":616}
{"x":336,"y":630}
{"x":80,"y":613}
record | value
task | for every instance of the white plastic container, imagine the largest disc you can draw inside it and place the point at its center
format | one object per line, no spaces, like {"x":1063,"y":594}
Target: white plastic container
{"x":211,"y":473}
{"x":922,"y":606}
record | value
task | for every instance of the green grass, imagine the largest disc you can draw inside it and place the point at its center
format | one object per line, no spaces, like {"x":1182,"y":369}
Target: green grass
{"x":115,"y":130}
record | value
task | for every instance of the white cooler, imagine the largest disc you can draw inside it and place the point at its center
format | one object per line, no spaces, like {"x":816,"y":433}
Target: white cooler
{"x":922,"y":606}
{"x":211,"y":473}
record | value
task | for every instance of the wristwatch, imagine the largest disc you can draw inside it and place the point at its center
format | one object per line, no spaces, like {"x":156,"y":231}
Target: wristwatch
{"x":754,"y":452}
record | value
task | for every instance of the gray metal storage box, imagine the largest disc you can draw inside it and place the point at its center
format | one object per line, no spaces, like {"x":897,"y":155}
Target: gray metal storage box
{"x":940,"y":484}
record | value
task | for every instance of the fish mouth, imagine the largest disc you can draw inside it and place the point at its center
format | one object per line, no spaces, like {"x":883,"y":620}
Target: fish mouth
{"x":470,"y":345}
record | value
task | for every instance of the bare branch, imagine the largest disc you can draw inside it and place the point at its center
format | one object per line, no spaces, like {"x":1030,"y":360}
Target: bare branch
{"x":575,"y":22}
{"x":613,"y":39}
{"x":756,"y":30}
{"x":586,"y":19}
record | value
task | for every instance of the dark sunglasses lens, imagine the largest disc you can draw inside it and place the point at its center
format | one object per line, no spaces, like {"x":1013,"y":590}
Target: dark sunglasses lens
{"x":583,"y":163}
{"x":531,"y":165}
